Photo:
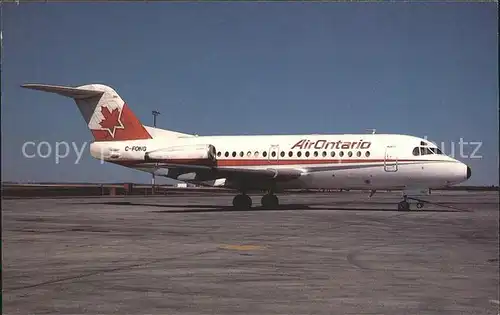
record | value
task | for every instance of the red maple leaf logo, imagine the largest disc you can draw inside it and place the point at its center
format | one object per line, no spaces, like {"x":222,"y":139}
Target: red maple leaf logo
{"x":111,"y":120}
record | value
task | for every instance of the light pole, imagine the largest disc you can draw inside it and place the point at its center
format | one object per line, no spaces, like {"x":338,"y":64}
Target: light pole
{"x":155,"y":113}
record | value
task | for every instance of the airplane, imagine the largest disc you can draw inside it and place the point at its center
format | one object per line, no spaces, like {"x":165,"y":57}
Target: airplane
{"x":270,"y":163}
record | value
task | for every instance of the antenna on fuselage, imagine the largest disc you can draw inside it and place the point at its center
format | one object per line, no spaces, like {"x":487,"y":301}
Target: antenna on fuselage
{"x":372,"y":130}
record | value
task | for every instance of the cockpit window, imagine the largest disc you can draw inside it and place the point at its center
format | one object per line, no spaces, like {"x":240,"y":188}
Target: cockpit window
{"x":436,"y":151}
{"x":426,"y":151}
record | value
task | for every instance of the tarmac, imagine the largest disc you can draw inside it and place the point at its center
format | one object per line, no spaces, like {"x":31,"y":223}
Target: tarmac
{"x":322,"y":253}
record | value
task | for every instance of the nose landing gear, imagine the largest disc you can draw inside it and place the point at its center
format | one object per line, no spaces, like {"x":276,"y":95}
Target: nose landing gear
{"x":404,"y":205}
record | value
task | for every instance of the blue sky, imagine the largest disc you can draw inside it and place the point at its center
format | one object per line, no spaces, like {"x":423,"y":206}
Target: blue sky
{"x":252,"y":68}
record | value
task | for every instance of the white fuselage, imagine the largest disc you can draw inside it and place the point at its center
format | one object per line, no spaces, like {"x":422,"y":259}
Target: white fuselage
{"x":365,"y":161}
{"x":265,"y":163}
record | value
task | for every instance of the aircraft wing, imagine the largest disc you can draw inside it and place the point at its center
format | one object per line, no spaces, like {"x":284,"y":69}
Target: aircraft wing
{"x":209,"y":173}
{"x":233,"y":176}
{"x":279,"y":174}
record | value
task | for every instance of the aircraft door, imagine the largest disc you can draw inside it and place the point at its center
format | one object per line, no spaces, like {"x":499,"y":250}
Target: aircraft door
{"x":273,"y":154}
{"x":390,"y":159}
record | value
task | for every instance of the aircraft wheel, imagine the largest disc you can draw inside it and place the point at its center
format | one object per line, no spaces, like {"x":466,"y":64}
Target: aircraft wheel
{"x":403,"y":206}
{"x":242,"y":202}
{"x":270,"y":201}
{"x":420,"y":205}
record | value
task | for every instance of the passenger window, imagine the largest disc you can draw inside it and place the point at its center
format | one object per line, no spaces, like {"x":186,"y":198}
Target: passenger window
{"x":282,"y":153}
{"x":324,"y":153}
{"x":416,"y":151}
{"x":349,"y":154}
{"x":358,"y":153}
{"x":315,"y":153}
{"x":241,"y":154}
{"x":256,"y":153}
{"x":290,"y":154}
{"x":264,"y":154}
{"x":307,"y":154}
{"x":234,"y":154}
{"x":367,"y":154}
{"x":341,"y":153}
{"x":226,"y":154}
{"x":273,"y":154}
{"x":299,"y":154}
{"x":219,"y":154}
{"x":332,"y":153}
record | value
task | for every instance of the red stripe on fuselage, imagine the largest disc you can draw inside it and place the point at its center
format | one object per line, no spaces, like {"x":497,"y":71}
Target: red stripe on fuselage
{"x":263,"y":162}
{"x":259,"y":162}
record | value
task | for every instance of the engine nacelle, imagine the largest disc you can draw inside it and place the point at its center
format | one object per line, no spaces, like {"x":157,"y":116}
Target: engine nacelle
{"x":183,"y":153}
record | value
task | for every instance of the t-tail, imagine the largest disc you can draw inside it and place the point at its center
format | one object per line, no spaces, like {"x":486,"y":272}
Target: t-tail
{"x":108,"y":117}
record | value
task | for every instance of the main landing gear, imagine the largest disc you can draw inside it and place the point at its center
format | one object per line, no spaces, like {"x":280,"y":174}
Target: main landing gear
{"x":270,"y":201}
{"x":244,"y":202}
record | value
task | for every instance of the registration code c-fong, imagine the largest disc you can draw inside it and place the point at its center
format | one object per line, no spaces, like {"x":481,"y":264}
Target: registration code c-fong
{"x":136,"y":148}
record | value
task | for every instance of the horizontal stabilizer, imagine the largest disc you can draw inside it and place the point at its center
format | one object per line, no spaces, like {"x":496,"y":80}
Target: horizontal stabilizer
{"x":107,"y":116}
{"x":73,"y":92}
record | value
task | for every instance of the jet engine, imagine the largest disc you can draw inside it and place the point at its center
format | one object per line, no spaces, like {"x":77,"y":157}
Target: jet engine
{"x":184,"y":153}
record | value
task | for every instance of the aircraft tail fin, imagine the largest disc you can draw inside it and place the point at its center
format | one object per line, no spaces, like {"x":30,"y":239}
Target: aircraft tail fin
{"x":107,"y":116}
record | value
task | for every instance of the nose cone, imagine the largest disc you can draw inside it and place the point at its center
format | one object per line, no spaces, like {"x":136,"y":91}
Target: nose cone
{"x":458,"y":173}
